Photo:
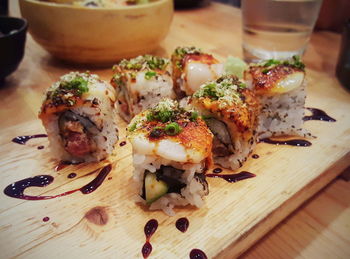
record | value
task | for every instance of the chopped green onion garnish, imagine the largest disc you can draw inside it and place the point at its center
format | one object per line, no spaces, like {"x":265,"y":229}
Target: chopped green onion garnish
{"x":79,"y":84}
{"x":149,"y":116}
{"x":150,"y":74}
{"x":242,"y":85}
{"x":164,"y":115}
{"x":295,"y":62}
{"x":298,"y":63}
{"x":271,"y":62}
{"x":265,"y":71}
{"x":172,"y":129}
{"x":132,"y":127}
{"x":194,"y":116}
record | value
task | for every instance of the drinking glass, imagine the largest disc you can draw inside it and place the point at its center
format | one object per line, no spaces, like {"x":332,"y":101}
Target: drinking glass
{"x":277,"y":29}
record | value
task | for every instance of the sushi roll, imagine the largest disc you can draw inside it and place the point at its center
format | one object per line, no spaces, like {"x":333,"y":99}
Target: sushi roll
{"x":280,"y":86}
{"x":78,"y":115}
{"x":192,"y":68}
{"x":140,"y":83}
{"x":171,"y":153}
{"x":231,"y":113}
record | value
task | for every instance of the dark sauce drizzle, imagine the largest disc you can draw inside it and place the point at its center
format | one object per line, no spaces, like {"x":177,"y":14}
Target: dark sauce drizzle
{"x":217,"y":170}
{"x":22,"y":140}
{"x":63,"y":164}
{"x":232,"y":178}
{"x":71,"y":175}
{"x":292,"y":142}
{"x":197,"y":254}
{"x":318,"y":114}
{"x":94,"y":184}
{"x":255,"y":156}
{"x":146,"y":249}
{"x":182,"y":224}
{"x":149,"y":229}
{"x":16,"y":190}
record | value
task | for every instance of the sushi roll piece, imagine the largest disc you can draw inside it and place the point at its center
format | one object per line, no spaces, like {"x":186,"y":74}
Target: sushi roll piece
{"x":140,"y":83}
{"x":171,"y":153}
{"x":231,"y":112}
{"x":78,"y":115}
{"x":280,"y":86}
{"x":192,"y":68}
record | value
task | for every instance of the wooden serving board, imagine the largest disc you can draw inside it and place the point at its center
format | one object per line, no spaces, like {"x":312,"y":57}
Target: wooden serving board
{"x":108,"y":223}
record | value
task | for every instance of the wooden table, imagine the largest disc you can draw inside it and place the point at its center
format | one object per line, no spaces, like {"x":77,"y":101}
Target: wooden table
{"x":217,"y":230}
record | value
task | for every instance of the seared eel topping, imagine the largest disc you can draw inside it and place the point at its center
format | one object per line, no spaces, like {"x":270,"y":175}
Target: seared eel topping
{"x":274,"y":76}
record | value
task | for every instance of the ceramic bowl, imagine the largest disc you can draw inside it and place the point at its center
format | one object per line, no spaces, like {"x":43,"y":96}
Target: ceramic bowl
{"x":12,"y":42}
{"x":97,"y":36}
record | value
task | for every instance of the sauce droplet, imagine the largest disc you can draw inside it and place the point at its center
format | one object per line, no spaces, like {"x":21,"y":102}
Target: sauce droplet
{"x":217,"y":170}
{"x":255,"y":156}
{"x":292,"y":142}
{"x":16,"y":190}
{"x":146,"y":249}
{"x":318,"y":114}
{"x":232,"y":178}
{"x":45,"y":219}
{"x":40,"y":147}
{"x":22,"y":140}
{"x":150,"y":227}
{"x":123,"y":143}
{"x":182,"y":224}
{"x":71,"y":175}
{"x":197,"y":254}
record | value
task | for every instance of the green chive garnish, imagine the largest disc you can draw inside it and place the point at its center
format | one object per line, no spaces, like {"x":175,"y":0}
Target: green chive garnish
{"x":150,"y":74}
{"x":172,"y":129}
{"x":132,"y":127}
{"x":194,"y":116}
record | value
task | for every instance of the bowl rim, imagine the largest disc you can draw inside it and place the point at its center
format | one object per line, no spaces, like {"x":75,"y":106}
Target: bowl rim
{"x":99,"y":9}
{"x":19,"y":30}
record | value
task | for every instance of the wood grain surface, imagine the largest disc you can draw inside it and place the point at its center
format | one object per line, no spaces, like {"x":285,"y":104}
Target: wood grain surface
{"x":318,"y":229}
{"x":108,"y":223}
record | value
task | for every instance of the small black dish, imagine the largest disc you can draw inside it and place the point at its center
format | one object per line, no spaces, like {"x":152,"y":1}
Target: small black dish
{"x":189,"y":4}
{"x":343,"y":65}
{"x":12,"y":41}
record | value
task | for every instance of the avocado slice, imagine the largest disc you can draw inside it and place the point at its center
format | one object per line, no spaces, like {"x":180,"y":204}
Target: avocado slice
{"x":154,"y":188}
